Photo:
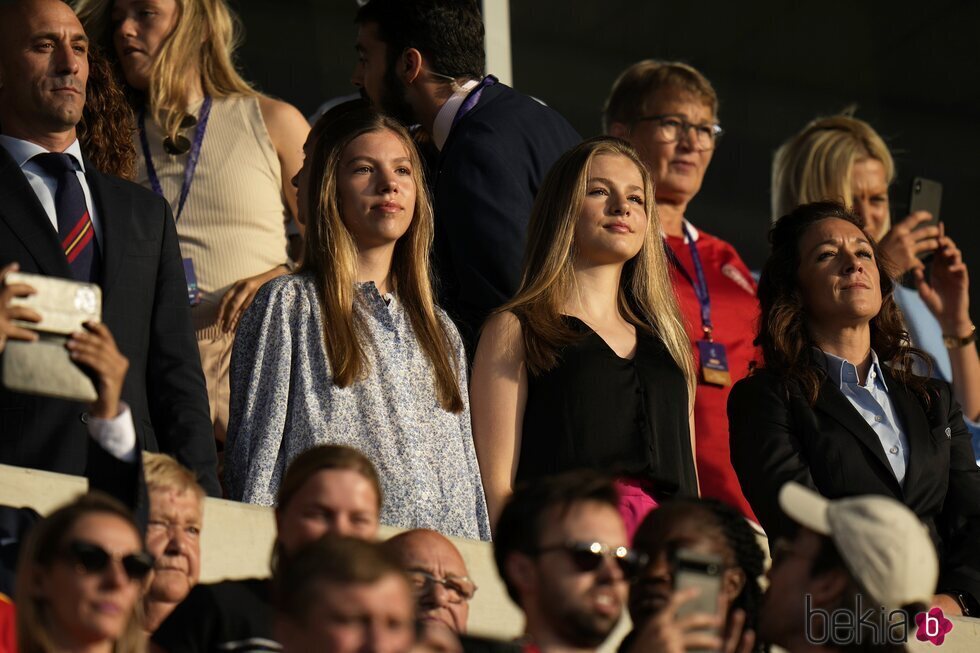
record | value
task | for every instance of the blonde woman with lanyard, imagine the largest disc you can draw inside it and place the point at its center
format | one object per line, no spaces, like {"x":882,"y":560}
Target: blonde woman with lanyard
{"x":222,"y":153}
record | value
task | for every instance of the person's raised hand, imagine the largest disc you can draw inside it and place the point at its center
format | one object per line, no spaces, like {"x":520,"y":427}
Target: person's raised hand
{"x":8,"y":329}
{"x":947,"y":292}
{"x":95,"y":348}
{"x":665,"y":632}
{"x":906,"y":240}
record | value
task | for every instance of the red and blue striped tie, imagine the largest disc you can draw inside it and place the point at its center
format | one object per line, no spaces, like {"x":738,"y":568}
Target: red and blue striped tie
{"x":75,"y":228}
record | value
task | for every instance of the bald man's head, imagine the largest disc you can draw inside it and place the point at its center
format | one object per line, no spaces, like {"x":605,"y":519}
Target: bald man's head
{"x":43,"y":71}
{"x":439,"y":576}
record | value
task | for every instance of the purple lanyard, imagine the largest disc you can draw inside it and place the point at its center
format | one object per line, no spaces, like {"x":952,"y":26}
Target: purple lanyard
{"x":151,"y":171}
{"x":700,"y":286}
{"x":473,"y":98}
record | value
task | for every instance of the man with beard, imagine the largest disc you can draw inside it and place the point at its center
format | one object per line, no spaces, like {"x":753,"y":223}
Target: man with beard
{"x":173,"y":535}
{"x":561,"y":549}
{"x":422,"y":61}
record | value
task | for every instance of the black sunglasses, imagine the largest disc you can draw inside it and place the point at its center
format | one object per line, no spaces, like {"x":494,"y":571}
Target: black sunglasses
{"x":587,"y":556}
{"x":93,"y":559}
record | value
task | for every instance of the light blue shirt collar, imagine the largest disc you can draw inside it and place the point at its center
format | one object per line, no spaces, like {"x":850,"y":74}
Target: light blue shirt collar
{"x":23,"y":151}
{"x":842,"y":371}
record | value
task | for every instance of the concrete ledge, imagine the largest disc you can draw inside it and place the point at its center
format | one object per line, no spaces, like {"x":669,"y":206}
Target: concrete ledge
{"x":237,"y":541}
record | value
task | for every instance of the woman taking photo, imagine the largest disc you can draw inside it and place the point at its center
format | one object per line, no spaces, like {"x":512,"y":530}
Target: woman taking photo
{"x":220,"y":152}
{"x":589,"y":365}
{"x":837,"y":407}
{"x":352,"y":349}
{"x":841,"y":158}
{"x":668,"y":111}
{"x":79,"y":580}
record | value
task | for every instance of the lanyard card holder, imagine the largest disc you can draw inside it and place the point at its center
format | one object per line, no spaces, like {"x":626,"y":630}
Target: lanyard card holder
{"x":193,"y":292}
{"x":714,"y":363}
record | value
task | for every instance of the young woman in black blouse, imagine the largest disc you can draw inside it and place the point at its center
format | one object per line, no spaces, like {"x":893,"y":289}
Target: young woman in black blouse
{"x":589,"y":365}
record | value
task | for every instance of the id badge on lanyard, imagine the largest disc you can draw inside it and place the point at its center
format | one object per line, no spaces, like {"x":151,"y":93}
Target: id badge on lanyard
{"x":714,"y":357}
{"x":193,"y":292}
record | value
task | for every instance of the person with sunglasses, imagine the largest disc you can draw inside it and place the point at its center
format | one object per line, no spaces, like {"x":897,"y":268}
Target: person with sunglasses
{"x":561,"y":550}
{"x":668,"y":111}
{"x":704,"y":526}
{"x":79,"y":580}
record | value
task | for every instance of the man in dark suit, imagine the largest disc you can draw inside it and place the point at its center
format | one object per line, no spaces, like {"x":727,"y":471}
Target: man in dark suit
{"x":123,"y":238}
{"x":422,"y":61}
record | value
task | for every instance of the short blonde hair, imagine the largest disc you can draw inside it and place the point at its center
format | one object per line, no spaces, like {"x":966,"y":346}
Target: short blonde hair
{"x":164,"y":473}
{"x":636,"y":86}
{"x":816,"y":164}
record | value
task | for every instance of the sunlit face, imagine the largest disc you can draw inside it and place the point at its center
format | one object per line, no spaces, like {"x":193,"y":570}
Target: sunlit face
{"x":580,"y":607}
{"x":338,"y":501}
{"x":613,"y":221}
{"x":869,"y":188}
{"x":355,"y":618}
{"x":173,"y":537}
{"x":86,"y":608}
{"x":433,"y":554}
{"x":838,"y":275}
{"x":43,"y":69}
{"x":140,"y":27}
{"x":677,"y":168}
{"x":377,"y":189}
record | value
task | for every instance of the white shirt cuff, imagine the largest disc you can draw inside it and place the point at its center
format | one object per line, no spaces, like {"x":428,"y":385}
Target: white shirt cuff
{"x":117,"y":435}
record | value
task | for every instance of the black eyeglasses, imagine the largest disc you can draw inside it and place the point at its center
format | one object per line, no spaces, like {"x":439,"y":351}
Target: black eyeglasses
{"x":93,"y":559}
{"x":459,"y":588}
{"x":670,"y":129}
{"x":587,"y":556}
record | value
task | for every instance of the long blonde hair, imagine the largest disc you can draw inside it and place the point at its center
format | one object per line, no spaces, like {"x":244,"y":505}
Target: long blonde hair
{"x":331,"y":256}
{"x":40,"y":551}
{"x":204,"y":39}
{"x":816,"y":164}
{"x":646,"y":297}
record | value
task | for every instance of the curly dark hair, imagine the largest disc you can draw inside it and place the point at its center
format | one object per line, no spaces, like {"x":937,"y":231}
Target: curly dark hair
{"x":783,"y":335}
{"x":105,"y":132}
{"x":720,"y":522}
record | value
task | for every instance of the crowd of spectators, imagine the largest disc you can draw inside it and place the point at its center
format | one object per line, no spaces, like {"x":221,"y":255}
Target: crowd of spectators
{"x":484,"y":327}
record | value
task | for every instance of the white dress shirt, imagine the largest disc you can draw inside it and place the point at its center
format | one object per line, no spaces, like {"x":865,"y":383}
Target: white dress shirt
{"x":447,"y":113}
{"x":116,"y":435}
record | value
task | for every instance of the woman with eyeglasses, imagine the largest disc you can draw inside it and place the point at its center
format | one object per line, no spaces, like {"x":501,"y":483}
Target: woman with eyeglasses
{"x":79,"y":580}
{"x":668,"y":111}
{"x":589,"y":365}
{"x":838,"y":407}
{"x":219,"y":151}
{"x":705,"y":526}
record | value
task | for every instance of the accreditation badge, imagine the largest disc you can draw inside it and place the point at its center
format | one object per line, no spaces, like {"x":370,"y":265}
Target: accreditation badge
{"x":193,"y":292}
{"x":714,"y":363}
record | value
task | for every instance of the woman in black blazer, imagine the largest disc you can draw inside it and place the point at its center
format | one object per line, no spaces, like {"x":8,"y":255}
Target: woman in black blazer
{"x":836,"y":406}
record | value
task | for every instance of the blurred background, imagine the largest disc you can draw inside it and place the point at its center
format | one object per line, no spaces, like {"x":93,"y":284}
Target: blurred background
{"x":911,"y":68}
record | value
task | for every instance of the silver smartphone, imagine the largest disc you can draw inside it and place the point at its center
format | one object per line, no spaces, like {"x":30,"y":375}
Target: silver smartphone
{"x":704,"y":571}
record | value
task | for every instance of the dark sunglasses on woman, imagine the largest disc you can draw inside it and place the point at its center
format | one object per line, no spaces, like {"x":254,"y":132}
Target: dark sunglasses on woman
{"x":587,"y":556}
{"x":93,"y":559}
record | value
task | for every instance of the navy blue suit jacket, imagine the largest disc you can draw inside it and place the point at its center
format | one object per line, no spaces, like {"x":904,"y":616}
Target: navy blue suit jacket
{"x":489,"y":171}
{"x":777,"y":436}
{"x":144,"y":304}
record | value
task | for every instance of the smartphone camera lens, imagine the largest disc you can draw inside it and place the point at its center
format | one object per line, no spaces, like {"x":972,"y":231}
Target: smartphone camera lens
{"x":918,"y":187}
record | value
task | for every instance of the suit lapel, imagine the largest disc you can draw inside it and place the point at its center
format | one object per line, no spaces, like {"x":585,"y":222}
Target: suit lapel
{"x":115,"y":209}
{"x":832,"y":401}
{"x":23,"y":213}
{"x":489,"y":93}
{"x":916,"y":427}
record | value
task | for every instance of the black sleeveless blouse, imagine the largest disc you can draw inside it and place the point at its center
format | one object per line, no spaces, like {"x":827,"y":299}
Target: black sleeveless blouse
{"x":599,"y":411}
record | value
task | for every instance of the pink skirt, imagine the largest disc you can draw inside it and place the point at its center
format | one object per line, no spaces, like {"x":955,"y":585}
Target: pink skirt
{"x":635,"y":502}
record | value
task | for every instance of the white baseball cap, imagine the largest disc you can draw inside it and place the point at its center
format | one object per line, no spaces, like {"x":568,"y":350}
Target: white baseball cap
{"x":885,"y":546}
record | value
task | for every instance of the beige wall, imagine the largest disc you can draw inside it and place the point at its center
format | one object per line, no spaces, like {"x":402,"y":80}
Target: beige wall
{"x":237,"y":540}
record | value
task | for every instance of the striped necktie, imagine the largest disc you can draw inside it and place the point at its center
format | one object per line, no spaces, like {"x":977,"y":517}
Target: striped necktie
{"x":75,"y":230}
